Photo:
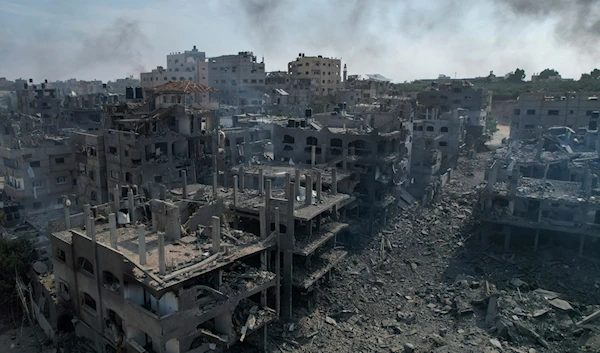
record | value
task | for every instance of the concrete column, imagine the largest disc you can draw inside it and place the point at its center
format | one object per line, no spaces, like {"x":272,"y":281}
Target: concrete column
{"x":313,"y":155}
{"x":162,"y":192}
{"x":262,"y":216}
{"x":287,"y":184}
{"x":142,"y":244}
{"x":235,"y":190}
{"x":117,"y":195}
{"x":277,"y":263}
{"x":334,"y":180}
{"x":323,"y":153}
{"x":268,"y":203}
{"x":344,"y":158}
{"x":184,"y":188}
{"x":112,"y":223}
{"x":130,"y":204}
{"x":67,"y":212}
{"x":308,"y":187}
{"x":242,"y":179}
{"x":87,"y":212}
{"x":493,"y":172}
{"x":150,"y":190}
{"x":194,"y":172}
{"x":288,"y":246}
{"x":319,"y":185}
{"x":261,"y":181}
{"x":216,"y":234}
{"x":215,"y":186}
{"x":91,"y":231}
{"x":537,"y":240}
{"x":511,"y":207}
{"x":162,"y":267}
{"x":297,"y":182}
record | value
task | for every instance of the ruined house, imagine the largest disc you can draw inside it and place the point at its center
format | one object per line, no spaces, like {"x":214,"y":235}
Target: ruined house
{"x":38,"y":165}
{"x":436,"y":145}
{"x":534,"y":111}
{"x":544,"y":191}
{"x":39,"y":100}
{"x":460,"y":94}
{"x":152,"y":138}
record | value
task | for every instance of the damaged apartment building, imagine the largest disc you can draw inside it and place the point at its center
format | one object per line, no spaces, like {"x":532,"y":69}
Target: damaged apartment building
{"x":460,"y":94}
{"x":174,"y":275}
{"x":535,"y":111}
{"x":545,"y":191}
{"x":38,"y":165}
{"x":437,"y":141}
{"x":152,"y":138}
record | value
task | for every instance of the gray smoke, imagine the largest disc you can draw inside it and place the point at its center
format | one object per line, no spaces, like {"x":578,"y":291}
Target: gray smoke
{"x":577,"y":22}
{"x":122,"y":44}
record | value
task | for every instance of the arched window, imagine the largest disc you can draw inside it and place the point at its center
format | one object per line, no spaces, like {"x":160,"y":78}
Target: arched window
{"x":444,"y":129}
{"x":88,"y":302}
{"x":288,"y":139}
{"x":288,"y":148}
{"x":111,"y":282}
{"x":84,"y":265}
{"x":312,"y":141}
{"x":430,"y":128}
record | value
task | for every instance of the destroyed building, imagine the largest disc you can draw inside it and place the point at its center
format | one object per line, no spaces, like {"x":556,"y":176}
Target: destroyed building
{"x":460,"y":94}
{"x":90,"y":156}
{"x":544,"y":190}
{"x":39,"y":100}
{"x":161,"y":287}
{"x":238,"y":78}
{"x":38,"y":165}
{"x":85,"y":110}
{"x":545,"y":110}
{"x":380,"y":155}
{"x":152,"y":138}
{"x":437,"y":142}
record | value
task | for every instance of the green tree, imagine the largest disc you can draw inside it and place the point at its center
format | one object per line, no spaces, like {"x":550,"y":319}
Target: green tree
{"x":594,"y":74}
{"x":517,"y":76}
{"x":547,"y":73}
{"x":15,"y":254}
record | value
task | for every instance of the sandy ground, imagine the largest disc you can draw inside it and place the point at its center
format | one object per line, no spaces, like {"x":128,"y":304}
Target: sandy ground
{"x":503,"y":132}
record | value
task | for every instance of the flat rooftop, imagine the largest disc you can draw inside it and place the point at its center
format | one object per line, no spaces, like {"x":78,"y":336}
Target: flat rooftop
{"x":567,"y":191}
{"x":184,"y":258}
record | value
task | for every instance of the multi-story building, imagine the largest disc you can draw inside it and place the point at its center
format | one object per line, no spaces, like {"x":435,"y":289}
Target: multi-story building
{"x":545,"y":191}
{"x":435,"y":147}
{"x":151,"y":140}
{"x":321,"y":74}
{"x":545,"y":110}
{"x":239,"y":79}
{"x":38,"y":166}
{"x":39,"y":100}
{"x":191,"y":65}
{"x":85,"y":110}
{"x":460,"y":94}
{"x":150,"y":288}
{"x":92,"y":173}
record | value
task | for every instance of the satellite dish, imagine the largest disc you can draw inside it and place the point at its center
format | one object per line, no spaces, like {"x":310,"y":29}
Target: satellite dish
{"x":40,"y":267}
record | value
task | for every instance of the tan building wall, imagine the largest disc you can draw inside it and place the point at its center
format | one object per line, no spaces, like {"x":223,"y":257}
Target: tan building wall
{"x":323,"y":73}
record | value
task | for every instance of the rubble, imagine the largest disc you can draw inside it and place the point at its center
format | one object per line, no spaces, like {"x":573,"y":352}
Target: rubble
{"x":434,"y":288}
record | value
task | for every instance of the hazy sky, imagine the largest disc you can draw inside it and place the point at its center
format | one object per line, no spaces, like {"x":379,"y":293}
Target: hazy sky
{"x":400,"y":39}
